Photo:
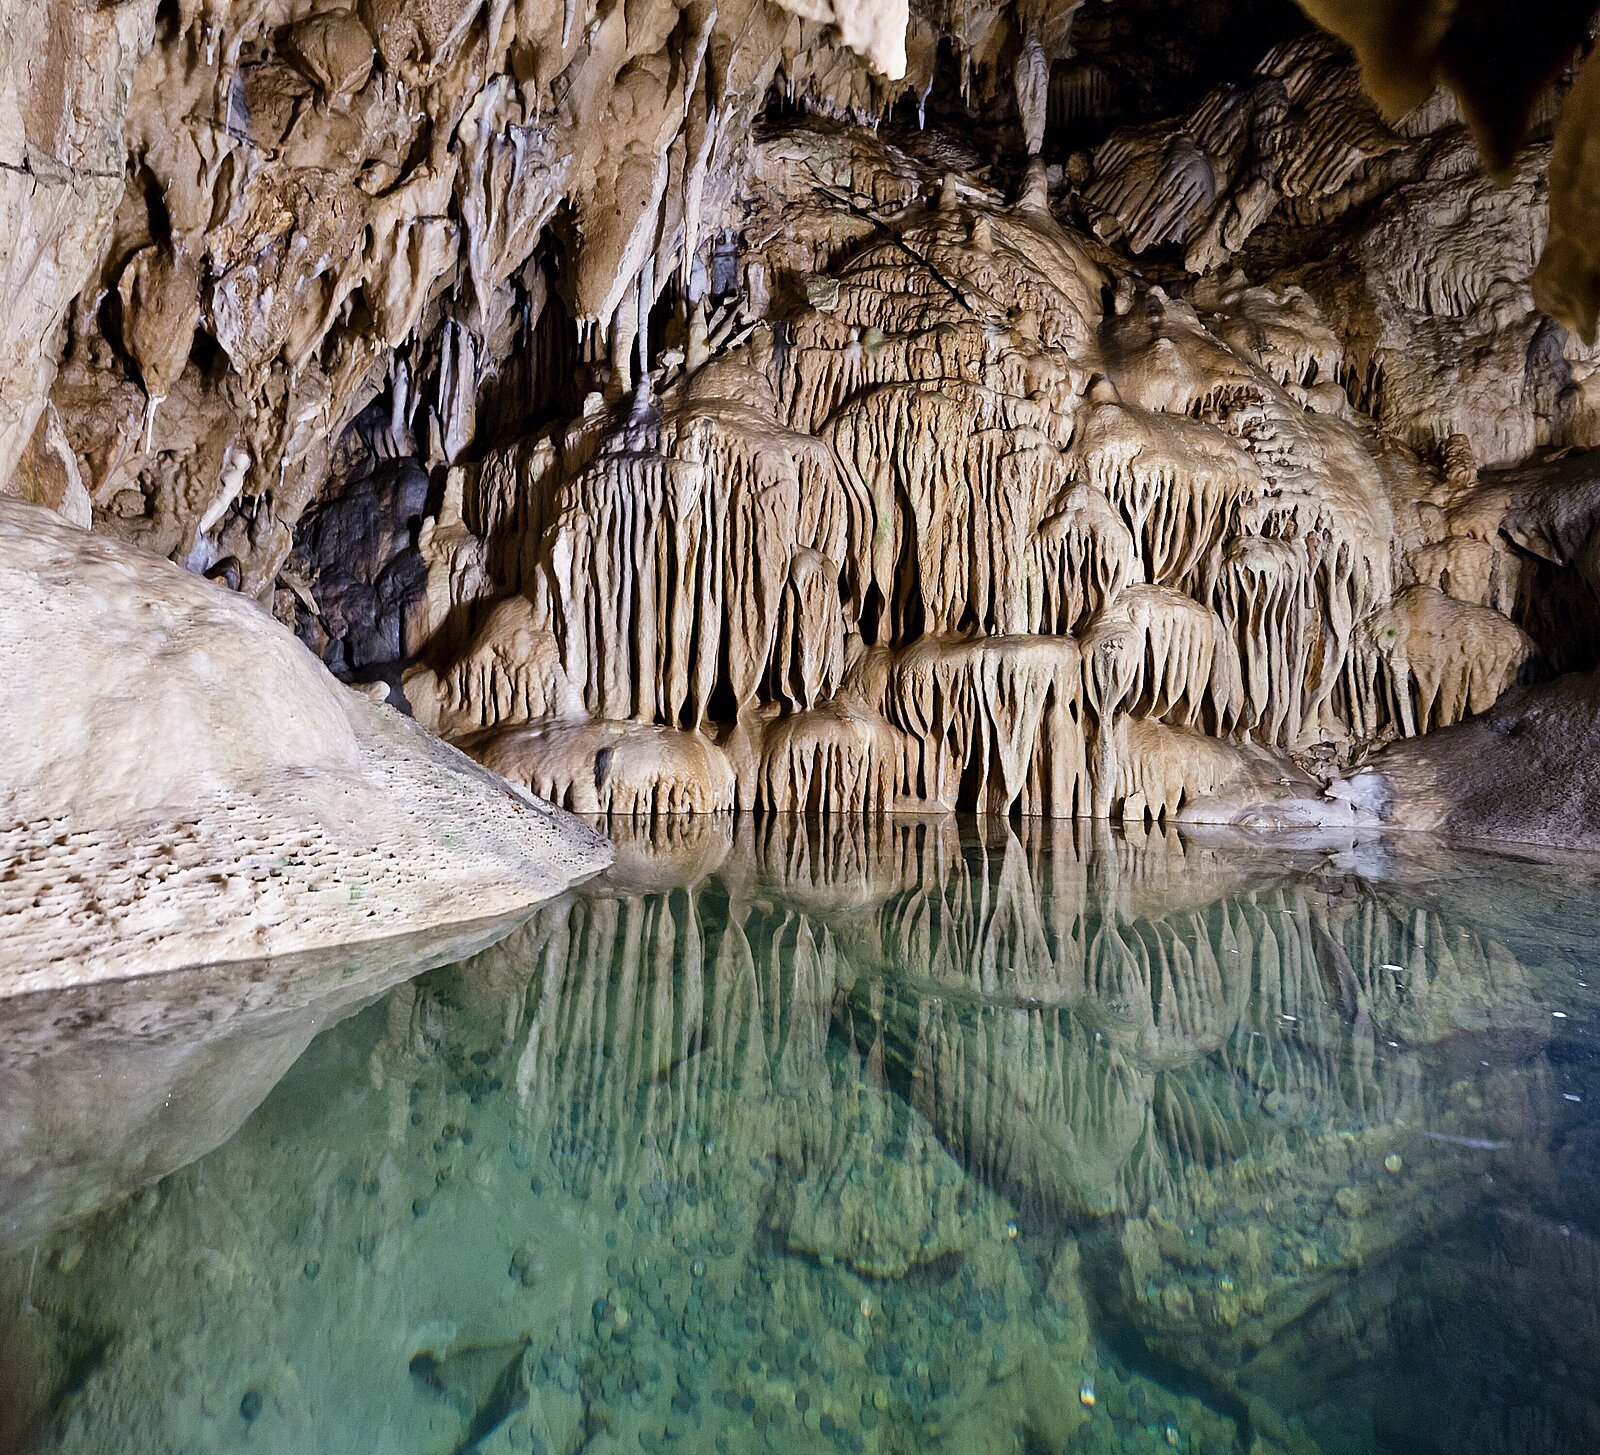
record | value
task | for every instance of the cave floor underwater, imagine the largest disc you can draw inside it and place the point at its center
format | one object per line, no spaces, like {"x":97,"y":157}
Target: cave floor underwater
{"x":857,"y":1134}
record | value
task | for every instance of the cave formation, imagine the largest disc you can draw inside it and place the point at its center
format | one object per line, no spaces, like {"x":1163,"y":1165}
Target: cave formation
{"x":1115,"y":408}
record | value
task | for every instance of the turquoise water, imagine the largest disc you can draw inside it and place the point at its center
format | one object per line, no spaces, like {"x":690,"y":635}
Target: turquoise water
{"x":891,"y":1136}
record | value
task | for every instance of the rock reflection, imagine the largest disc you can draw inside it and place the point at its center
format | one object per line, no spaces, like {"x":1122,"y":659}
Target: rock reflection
{"x":106,"y":1088}
{"x":865,"y":1134}
{"x":1037,"y":987}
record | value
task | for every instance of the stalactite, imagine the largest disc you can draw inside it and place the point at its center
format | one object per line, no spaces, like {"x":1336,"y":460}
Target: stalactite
{"x":1112,"y":652}
{"x":1265,"y":603}
{"x":808,"y":655}
{"x":1165,"y":768}
{"x":962,"y":516}
{"x":841,"y":752}
{"x":1177,"y":485}
{"x":633,"y":560}
{"x":948,"y":512}
{"x":1186,"y":669}
{"x":1426,"y":661}
{"x":974,"y":711}
{"x":509,"y":673}
{"x":1083,"y":555}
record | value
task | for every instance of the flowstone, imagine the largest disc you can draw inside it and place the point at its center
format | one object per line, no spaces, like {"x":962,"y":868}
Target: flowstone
{"x":188,"y":785}
{"x":972,"y":517}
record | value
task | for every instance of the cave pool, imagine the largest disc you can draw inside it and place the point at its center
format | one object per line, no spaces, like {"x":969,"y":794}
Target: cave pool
{"x":847,"y":1135}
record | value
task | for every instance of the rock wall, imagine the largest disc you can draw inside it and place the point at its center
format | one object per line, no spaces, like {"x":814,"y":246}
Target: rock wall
{"x":305,"y":204}
{"x":973,"y":514}
{"x":65,"y":74}
{"x":822,"y":405}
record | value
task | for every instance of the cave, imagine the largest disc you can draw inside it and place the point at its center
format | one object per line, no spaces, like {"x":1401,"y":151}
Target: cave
{"x":843,"y":726}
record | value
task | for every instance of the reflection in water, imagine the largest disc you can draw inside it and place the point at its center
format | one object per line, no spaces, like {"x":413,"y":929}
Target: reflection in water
{"x":888,"y":1135}
{"x":107,"y":1087}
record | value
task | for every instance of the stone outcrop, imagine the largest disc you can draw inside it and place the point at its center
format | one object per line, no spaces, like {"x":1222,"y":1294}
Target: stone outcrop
{"x":1521,"y":773}
{"x":185,"y":783}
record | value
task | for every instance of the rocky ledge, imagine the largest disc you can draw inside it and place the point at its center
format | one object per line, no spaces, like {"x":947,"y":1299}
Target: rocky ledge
{"x":186,"y":783}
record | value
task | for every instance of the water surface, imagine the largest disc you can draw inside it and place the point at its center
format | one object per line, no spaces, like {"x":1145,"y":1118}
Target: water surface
{"x":878,"y":1135}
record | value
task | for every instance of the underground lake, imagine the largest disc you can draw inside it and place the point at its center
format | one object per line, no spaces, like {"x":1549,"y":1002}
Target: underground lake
{"x":850,"y":1134}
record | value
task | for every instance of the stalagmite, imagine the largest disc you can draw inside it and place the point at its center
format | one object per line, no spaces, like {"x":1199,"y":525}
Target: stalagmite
{"x":612,"y":767}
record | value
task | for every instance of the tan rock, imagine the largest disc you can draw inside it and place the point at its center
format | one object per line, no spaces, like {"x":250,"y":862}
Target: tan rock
{"x":182,"y":782}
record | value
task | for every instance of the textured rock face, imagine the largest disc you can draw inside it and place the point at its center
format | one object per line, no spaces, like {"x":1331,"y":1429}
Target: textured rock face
{"x":65,"y":70}
{"x":977,"y":517}
{"x":833,"y":404}
{"x":185,"y":783}
{"x":1522,"y":772}
{"x":318,"y":201}
{"x":1499,"y":67}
